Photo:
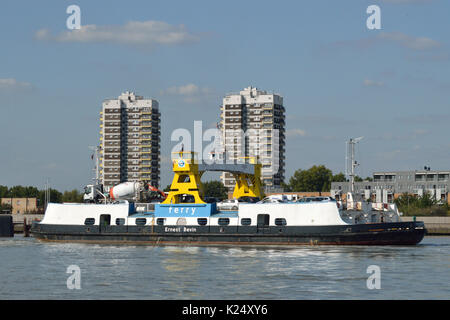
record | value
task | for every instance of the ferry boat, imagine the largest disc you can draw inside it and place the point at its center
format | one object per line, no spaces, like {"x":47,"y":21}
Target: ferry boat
{"x":185,"y":218}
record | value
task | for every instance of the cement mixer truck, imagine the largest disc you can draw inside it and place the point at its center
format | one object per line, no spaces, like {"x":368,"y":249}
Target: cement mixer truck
{"x":131,"y":191}
{"x":125,"y":191}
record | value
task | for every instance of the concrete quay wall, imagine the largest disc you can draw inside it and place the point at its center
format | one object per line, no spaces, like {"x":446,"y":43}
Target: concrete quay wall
{"x":434,"y":225}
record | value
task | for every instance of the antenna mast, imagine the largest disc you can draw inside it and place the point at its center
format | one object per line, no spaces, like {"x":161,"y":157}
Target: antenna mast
{"x":353,"y":163}
{"x":96,"y":169}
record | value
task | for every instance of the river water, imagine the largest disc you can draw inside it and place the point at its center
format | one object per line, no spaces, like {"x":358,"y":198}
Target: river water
{"x":35,"y":270}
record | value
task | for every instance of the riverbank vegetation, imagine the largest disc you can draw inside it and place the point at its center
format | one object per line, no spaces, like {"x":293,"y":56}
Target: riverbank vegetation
{"x":319,"y":179}
{"x":33,"y":192}
{"x":315,"y":179}
{"x":426,"y":205}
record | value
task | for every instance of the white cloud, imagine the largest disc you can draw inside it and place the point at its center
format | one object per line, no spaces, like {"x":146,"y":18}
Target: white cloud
{"x":6,"y":83}
{"x":190,"y":92}
{"x":415,"y":43}
{"x":420,"y":132}
{"x":185,"y":90}
{"x":296,"y":133}
{"x":391,"y":154}
{"x":420,"y":119}
{"x":396,"y":38}
{"x":132,"y":33}
{"x":372,"y":83}
{"x":407,"y":1}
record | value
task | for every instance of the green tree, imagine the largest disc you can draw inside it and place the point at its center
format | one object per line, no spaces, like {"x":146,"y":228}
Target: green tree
{"x":406,"y":200}
{"x":426,"y":201}
{"x":16,"y":192}
{"x":19,"y":192}
{"x":33,"y":192}
{"x":72,"y":196}
{"x":4,"y":191}
{"x":359,"y":179}
{"x":315,"y":179}
{"x":55,"y":196}
{"x":286,"y":187}
{"x":340,"y":177}
{"x":425,"y":205}
{"x":215,"y":189}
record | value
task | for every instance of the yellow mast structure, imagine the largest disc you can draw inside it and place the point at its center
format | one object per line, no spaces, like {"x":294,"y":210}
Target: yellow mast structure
{"x":186,"y":179}
{"x":247,"y":184}
{"x":188,"y":173}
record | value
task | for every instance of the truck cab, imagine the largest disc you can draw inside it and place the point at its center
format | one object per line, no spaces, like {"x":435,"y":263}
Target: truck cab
{"x":92,"y":193}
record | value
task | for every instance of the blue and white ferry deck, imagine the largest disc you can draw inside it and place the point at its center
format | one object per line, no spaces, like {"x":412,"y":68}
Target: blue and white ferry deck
{"x":200,"y":223}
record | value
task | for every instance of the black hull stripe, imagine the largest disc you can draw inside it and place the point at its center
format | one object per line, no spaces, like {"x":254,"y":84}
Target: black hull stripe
{"x":375,"y":234}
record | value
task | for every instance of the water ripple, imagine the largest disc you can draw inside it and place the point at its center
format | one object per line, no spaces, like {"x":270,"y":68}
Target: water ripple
{"x":35,"y":270}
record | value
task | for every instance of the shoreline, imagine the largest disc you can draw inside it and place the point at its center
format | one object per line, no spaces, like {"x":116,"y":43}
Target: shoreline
{"x":439,"y":226}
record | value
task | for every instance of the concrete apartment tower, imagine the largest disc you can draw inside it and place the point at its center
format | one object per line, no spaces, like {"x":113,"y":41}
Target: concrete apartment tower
{"x":130,"y":140}
{"x":261,"y":116}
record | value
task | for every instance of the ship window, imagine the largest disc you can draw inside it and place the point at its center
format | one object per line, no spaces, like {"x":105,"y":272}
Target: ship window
{"x":246,"y":221}
{"x":223,"y":221}
{"x":120,"y":221}
{"x":184,"y":179}
{"x":89,"y":221}
{"x":160,"y":221}
{"x":141,"y":221}
{"x":202,"y":221}
{"x":280,"y":221}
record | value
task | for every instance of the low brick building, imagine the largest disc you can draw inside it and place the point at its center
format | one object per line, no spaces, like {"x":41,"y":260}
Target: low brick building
{"x":21,"y":205}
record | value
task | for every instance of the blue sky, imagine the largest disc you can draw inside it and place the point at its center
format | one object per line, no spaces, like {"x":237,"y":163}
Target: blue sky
{"x":338,"y":78}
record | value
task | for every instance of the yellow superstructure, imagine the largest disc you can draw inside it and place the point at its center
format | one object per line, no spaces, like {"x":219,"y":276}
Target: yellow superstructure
{"x":248,"y":185}
{"x":187,"y":178}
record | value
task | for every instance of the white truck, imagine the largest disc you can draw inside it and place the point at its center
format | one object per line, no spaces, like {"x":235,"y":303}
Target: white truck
{"x":131,"y":191}
{"x":93,"y":193}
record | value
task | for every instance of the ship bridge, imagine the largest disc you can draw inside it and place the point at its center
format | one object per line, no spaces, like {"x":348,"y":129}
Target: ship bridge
{"x":188,"y":172}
